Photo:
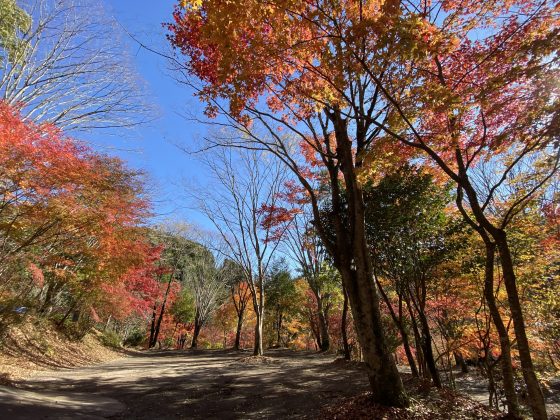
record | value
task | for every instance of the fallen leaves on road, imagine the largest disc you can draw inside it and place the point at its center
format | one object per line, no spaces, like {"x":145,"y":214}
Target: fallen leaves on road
{"x":426,"y":403}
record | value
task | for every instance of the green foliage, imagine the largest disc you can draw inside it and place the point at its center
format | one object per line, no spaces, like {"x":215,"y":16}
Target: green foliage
{"x":135,"y":338}
{"x":111,"y":339}
{"x":74,"y":330}
{"x":407,"y":225}
{"x":13,"y":21}
{"x":184,"y":308}
{"x":279,"y":288}
{"x":282,"y":303}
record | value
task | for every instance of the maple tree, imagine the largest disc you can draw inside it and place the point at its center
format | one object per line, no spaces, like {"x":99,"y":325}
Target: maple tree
{"x":70,"y":222}
{"x":461,"y":82}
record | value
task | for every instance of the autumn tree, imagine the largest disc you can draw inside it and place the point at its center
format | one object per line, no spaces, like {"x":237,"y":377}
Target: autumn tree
{"x":240,"y":295}
{"x":69,"y":220}
{"x":460,"y":83}
{"x":263,"y":64}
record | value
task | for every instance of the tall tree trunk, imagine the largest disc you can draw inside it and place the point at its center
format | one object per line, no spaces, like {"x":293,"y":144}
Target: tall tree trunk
{"x":162,"y":311}
{"x":237,"y":343}
{"x":325,"y":340}
{"x":505,"y":345}
{"x":344,"y":327}
{"x":324,"y":343}
{"x":536,"y":398}
{"x":315,"y":329}
{"x":422,"y":370}
{"x":258,"y":347}
{"x":428,"y":351}
{"x":384,"y":378}
{"x":352,"y":259}
{"x":278,"y":327}
{"x":258,"y":306}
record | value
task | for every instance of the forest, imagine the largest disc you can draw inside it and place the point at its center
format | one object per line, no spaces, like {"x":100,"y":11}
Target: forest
{"x":374,"y":198}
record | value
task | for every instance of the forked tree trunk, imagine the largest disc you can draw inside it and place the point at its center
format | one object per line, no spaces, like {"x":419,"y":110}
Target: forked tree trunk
{"x":505,"y":345}
{"x":535,"y":395}
{"x":428,"y":351}
{"x":422,"y":370}
{"x":351,"y":258}
{"x":398,"y":322}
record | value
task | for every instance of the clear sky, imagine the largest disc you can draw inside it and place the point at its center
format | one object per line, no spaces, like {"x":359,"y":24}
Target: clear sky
{"x":152,"y":148}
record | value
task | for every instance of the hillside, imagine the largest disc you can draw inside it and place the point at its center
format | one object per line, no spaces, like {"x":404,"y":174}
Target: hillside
{"x":38,"y":346}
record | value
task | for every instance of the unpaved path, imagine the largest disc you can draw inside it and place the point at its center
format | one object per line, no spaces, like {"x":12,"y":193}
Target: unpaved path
{"x":187,"y":384}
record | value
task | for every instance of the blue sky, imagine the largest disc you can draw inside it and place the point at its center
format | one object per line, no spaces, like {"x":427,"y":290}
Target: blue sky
{"x":152,"y":148}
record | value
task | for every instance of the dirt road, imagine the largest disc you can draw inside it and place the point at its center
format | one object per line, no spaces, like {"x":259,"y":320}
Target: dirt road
{"x":187,"y":384}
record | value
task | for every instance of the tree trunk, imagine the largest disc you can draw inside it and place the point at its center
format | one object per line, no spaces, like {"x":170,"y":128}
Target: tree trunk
{"x":352,"y":259}
{"x":422,"y":370}
{"x":151,"y":341}
{"x":536,"y":398}
{"x":384,"y":378}
{"x":346,"y":345}
{"x":61,"y":322}
{"x":428,"y":351}
{"x":505,"y":345}
{"x":322,"y":316}
{"x":325,"y":340}
{"x":258,"y":347}
{"x":398,"y":322}
{"x":535,"y":395}
{"x":236,"y":345}
{"x":278,"y":327}
{"x":196,"y":332}
{"x":162,"y":311}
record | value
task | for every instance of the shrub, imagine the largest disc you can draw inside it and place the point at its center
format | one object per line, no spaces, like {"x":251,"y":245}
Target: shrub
{"x":135,"y":338}
{"x":111,"y":339}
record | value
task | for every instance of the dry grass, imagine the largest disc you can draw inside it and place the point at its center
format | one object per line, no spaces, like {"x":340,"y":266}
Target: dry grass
{"x":38,"y":346}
